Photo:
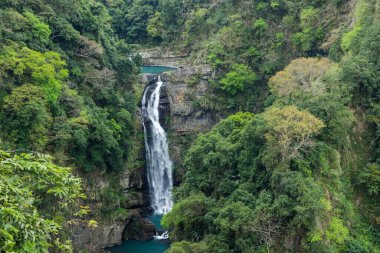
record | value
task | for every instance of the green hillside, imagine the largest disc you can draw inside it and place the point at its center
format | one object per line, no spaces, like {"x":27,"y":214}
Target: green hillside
{"x":294,"y":166}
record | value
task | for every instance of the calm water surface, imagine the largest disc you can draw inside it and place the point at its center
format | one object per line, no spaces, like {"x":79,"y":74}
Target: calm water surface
{"x":153,"y":246}
{"x":155,"y":69}
{"x":132,"y":246}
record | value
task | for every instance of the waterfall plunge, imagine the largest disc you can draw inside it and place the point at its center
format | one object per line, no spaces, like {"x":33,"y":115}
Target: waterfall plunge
{"x":159,"y":165}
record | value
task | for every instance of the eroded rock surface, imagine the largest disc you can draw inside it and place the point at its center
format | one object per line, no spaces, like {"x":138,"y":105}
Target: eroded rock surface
{"x":185,"y":86}
{"x":94,"y":240}
{"x":139,"y":229}
{"x":179,"y":115}
{"x":109,"y":232}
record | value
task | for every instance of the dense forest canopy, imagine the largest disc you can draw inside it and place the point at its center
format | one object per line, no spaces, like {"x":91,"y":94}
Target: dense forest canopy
{"x":67,"y":89}
{"x":62,"y":60}
{"x":293,"y":167}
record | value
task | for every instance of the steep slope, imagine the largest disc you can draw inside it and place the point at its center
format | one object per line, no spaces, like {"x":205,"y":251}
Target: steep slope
{"x":67,"y":88}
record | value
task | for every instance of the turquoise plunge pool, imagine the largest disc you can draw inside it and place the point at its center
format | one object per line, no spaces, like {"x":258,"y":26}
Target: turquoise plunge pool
{"x":132,"y":246}
{"x":155,"y":69}
{"x":153,"y":246}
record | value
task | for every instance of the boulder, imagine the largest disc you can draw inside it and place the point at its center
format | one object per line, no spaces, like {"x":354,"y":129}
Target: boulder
{"x":139,"y":229}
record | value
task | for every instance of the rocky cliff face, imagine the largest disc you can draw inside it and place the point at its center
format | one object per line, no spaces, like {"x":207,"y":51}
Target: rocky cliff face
{"x":179,"y":115}
{"x":94,"y":240}
{"x":131,"y":184}
{"x":160,"y":57}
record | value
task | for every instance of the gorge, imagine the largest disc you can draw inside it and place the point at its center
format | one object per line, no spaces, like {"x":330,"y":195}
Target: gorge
{"x":226,"y":125}
{"x":158,"y":164}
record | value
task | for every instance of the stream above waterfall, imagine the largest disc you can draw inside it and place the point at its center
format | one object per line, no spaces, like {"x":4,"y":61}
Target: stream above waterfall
{"x":155,"y":69}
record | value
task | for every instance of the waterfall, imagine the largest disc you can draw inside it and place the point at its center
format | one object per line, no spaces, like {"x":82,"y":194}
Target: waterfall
{"x":159,"y":165}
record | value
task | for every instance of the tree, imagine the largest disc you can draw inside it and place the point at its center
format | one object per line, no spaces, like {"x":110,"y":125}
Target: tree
{"x":35,"y":193}
{"x":88,"y":49}
{"x":303,"y":75}
{"x":217,"y":153}
{"x":195,"y":24}
{"x":370,"y":178}
{"x":232,"y":219}
{"x":311,"y":33}
{"x":188,"y":247}
{"x":260,"y":26}
{"x":315,"y":85}
{"x":46,"y":70}
{"x":63,"y":30}
{"x":26,"y":118}
{"x":267,"y":228}
{"x":238,"y":79}
{"x":132,"y":18}
{"x":336,"y":231}
{"x":40,"y":30}
{"x":187,"y":217}
{"x":349,"y":37}
{"x":288,"y":131}
{"x":101,"y":80}
{"x":155,"y":27}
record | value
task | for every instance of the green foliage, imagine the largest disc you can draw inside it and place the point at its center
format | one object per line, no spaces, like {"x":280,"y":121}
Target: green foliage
{"x":238,"y":79}
{"x":260,"y":26}
{"x":299,"y":176}
{"x":61,"y":28}
{"x":34,"y":191}
{"x":195,"y":23}
{"x":131,"y":19}
{"x":311,"y":32}
{"x":370,"y":177}
{"x":188,"y":247}
{"x":361,"y":66}
{"x":40,"y":30}
{"x":336,"y":231}
{"x":46,"y":70}
{"x":187,"y":215}
{"x":316,"y":85}
{"x":227,"y":164}
{"x":26,"y":118}
{"x":67,"y":88}
{"x":211,"y":154}
{"x":290,"y":130}
{"x":155,"y":26}
{"x":90,"y":124}
{"x":257,"y":34}
{"x":25,"y":27}
{"x":308,"y":17}
{"x":112,"y":199}
{"x":348,"y":38}
{"x":280,"y":174}
{"x":233,"y":218}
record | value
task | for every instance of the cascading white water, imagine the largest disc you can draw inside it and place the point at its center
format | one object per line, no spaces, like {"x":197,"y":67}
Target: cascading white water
{"x":159,"y":165}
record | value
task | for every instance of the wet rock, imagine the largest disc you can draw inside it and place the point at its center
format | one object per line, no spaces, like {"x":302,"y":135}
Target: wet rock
{"x":139,"y":229}
{"x":135,"y":200}
{"x":133,"y":179}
